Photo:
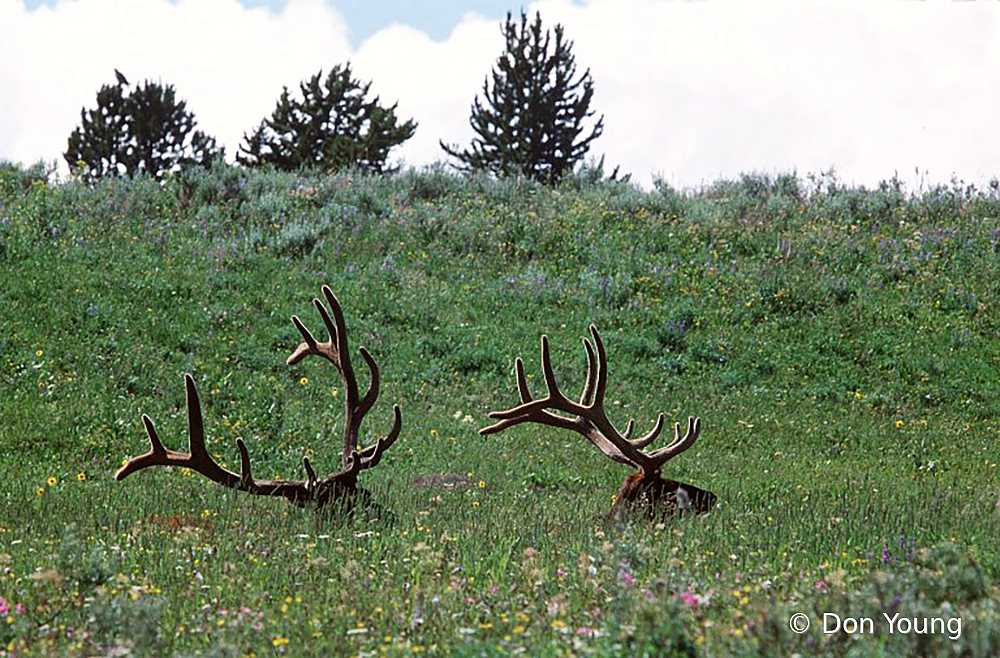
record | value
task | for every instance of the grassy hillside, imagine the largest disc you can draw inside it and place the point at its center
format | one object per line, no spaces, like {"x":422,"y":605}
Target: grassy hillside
{"x":840,"y":344}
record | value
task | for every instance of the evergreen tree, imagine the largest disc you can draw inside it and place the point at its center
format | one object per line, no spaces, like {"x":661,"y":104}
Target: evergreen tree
{"x":146,"y":131}
{"x":532,"y":116}
{"x":332,"y":127}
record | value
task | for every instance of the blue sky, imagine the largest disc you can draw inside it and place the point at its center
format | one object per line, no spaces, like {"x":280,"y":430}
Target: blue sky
{"x":366,"y":17}
{"x":690,"y":91}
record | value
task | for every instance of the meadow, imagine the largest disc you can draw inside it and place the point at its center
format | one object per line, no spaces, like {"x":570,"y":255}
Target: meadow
{"x":840,"y":344}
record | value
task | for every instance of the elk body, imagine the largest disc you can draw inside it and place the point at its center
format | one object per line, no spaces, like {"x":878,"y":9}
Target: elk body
{"x":645,"y":492}
{"x":341,"y":486}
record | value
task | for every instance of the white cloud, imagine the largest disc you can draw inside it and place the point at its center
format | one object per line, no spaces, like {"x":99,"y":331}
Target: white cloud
{"x":435,"y":82}
{"x":228,"y":62}
{"x":689,"y":90}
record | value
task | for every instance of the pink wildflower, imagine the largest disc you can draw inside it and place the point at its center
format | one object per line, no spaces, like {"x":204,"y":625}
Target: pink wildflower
{"x":688,"y":597}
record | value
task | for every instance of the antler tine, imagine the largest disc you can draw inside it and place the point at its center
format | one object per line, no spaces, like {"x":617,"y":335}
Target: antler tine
{"x":246,"y":477}
{"x":522,"y":381}
{"x":587,"y":398}
{"x":197,"y":459}
{"x":644,"y":441}
{"x":372,"y":455}
{"x":307,"y":347}
{"x":531,"y":409}
{"x":310,"y":474}
{"x":373,"y":385}
{"x":601,"y":384}
{"x":678,"y":445}
{"x":548,"y":372}
{"x":330,"y":350}
{"x":338,"y":338}
{"x":332,"y":327}
{"x":196,"y":424}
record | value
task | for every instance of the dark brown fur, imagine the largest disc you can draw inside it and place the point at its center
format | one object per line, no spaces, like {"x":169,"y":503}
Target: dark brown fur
{"x":653,"y":497}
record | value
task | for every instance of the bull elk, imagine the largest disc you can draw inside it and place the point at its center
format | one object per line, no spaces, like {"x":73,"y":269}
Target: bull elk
{"x":341,"y":486}
{"x":644,"y":492}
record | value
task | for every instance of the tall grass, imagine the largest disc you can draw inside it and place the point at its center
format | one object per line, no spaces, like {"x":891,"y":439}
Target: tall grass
{"x":839,"y":343}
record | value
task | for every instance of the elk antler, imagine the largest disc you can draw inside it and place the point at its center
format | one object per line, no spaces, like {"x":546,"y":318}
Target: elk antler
{"x":301,"y":492}
{"x":590,"y":419}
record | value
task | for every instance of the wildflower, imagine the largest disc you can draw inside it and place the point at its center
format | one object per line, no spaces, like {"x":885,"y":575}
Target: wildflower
{"x":278,"y":641}
{"x":40,"y":491}
{"x":475,"y":504}
{"x":688,"y":597}
{"x":482,"y":484}
{"x":434,"y":433}
{"x":52,"y":481}
{"x":899,"y":424}
{"x":335,"y":393}
{"x":821,"y":584}
{"x":304,"y":381}
{"x":81,"y":476}
{"x":38,"y":353}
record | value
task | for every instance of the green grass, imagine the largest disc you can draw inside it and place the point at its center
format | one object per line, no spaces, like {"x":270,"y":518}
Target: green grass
{"x":840,"y":344}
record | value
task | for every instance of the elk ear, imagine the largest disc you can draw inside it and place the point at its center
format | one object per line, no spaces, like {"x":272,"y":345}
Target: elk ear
{"x":683,"y":499}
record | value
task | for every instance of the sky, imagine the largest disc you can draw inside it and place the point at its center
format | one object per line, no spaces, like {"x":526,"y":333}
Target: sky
{"x":690,"y":91}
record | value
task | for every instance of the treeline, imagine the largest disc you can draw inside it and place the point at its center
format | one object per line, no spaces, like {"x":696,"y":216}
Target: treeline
{"x":530,"y":121}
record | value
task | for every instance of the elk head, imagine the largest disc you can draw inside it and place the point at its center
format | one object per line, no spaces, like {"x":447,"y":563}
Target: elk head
{"x":646,"y":491}
{"x":311,"y":491}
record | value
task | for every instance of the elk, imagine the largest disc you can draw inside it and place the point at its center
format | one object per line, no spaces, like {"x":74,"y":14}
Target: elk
{"x":341,"y":486}
{"x":645,"y":491}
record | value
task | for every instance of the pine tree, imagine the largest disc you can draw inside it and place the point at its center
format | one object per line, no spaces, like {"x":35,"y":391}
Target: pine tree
{"x":146,"y":131}
{"x":332,"y":127}
{"x":531,"y":118}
